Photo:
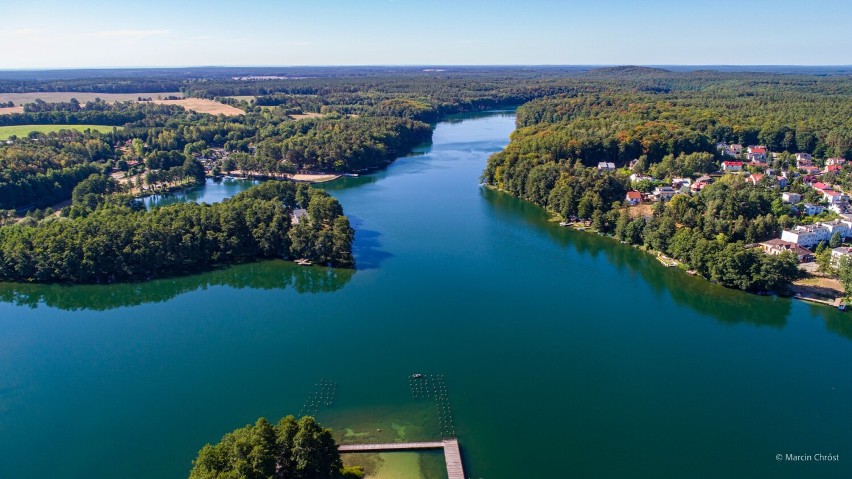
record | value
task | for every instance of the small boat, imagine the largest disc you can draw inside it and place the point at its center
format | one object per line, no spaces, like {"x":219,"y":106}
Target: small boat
{"x":229,"y":177}
{"x":564,"y":223}
{"x":841,"y":307}
{"x":416,"y":376}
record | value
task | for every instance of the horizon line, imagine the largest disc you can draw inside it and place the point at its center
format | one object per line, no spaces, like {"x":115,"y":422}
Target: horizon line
{"x":419,"y":65}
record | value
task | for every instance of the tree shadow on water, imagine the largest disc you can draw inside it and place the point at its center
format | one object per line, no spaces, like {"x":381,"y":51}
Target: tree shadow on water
{"x":727,"y":306}
{"x":265,"y":275}
{"x":368,"y":249}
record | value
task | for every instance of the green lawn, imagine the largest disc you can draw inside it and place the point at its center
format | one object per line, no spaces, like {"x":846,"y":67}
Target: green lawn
{"x":24,"y":130}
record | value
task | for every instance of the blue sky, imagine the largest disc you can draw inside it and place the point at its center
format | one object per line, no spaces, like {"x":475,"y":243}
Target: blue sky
{"x":52,"y":34}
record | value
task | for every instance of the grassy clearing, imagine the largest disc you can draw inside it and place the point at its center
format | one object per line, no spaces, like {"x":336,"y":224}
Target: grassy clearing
{"x":63,"y":96}
{"x":24,"y":130}
{"x":8,"y":110}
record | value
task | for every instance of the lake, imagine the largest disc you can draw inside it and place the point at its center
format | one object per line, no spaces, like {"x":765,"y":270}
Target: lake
{"x":547,"y":352}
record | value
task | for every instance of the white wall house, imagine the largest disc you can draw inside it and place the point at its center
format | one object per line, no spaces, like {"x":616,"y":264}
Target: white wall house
{"x":843,"y":226}
{"x":837,"y":255}
{"x":811,"y":209}
{"x":809,"y":236}
{"x":806,"y":236}
{"x":732,"y":166}
{"x":664,"y":193}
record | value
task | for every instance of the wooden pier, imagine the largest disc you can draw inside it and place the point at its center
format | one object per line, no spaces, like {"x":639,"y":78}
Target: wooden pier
{"x":452,"y":454}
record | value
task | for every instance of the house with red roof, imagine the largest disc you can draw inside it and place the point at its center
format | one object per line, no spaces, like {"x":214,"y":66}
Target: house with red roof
{"x":756,"y":153}
{"x":755,"y":178}
{"x":633,"y":198}
{"x":828,"y":193}
{"x":729,"y":166}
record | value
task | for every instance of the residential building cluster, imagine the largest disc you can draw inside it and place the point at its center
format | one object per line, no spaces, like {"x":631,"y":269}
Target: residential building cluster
{"x":800,"y":239}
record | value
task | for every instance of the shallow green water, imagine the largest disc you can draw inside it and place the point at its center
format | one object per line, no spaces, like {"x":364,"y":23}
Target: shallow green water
{"x":563,"y":353}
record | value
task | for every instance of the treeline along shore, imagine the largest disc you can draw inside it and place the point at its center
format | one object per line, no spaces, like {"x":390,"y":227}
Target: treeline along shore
{"x":113,"y":240}
{"x":699,"y":167}
{"x":648,"y":127}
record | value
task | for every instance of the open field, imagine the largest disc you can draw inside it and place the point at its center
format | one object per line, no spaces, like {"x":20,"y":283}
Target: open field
{"x":53,"y":97}
{"x":24,"y":130}
{"x":248,"y":98}
{"x":200,"y":105}
{"x":11,"y":109}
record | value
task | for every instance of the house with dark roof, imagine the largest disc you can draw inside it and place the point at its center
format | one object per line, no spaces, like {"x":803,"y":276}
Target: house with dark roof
{"x":777,"y":246}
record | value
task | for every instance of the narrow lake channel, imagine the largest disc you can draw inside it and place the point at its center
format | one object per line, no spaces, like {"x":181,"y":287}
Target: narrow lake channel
{"x":561,"y":353}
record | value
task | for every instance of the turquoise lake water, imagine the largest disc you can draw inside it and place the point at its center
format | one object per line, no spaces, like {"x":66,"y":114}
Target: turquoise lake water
{"x":561,"y":353}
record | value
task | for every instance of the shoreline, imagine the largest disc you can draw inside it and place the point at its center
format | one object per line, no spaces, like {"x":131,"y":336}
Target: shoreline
{"x":795,"y":291}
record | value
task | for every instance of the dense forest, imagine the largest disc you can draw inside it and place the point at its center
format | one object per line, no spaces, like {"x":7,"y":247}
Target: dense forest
{"x":116,"y":240}
{"x":40,"y":173}
{"x":371,"y":117}
{"x":670,"y":127}
{"x":668,"y":122}
{"x":291,"y":449}
{"x":42,"y":169}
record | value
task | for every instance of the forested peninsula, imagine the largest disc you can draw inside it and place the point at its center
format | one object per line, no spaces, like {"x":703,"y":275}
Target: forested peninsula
{"x":116,"y":240}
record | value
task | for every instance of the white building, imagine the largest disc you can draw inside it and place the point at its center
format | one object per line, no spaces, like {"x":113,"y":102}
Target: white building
{"x":809,"y":236}
{"x":606,"y":166}
{"x":728,"y":166}
{"x":633,"y":198}
{"x":811,"y":209}
{"x":806,"y":236}
{"x":842,"y":226}
{"x":840,"y":208}
{"x":837,"y":255}
{"x":664,"y":193}
{"x":636,"y":177}
{"x":832,"y":196}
